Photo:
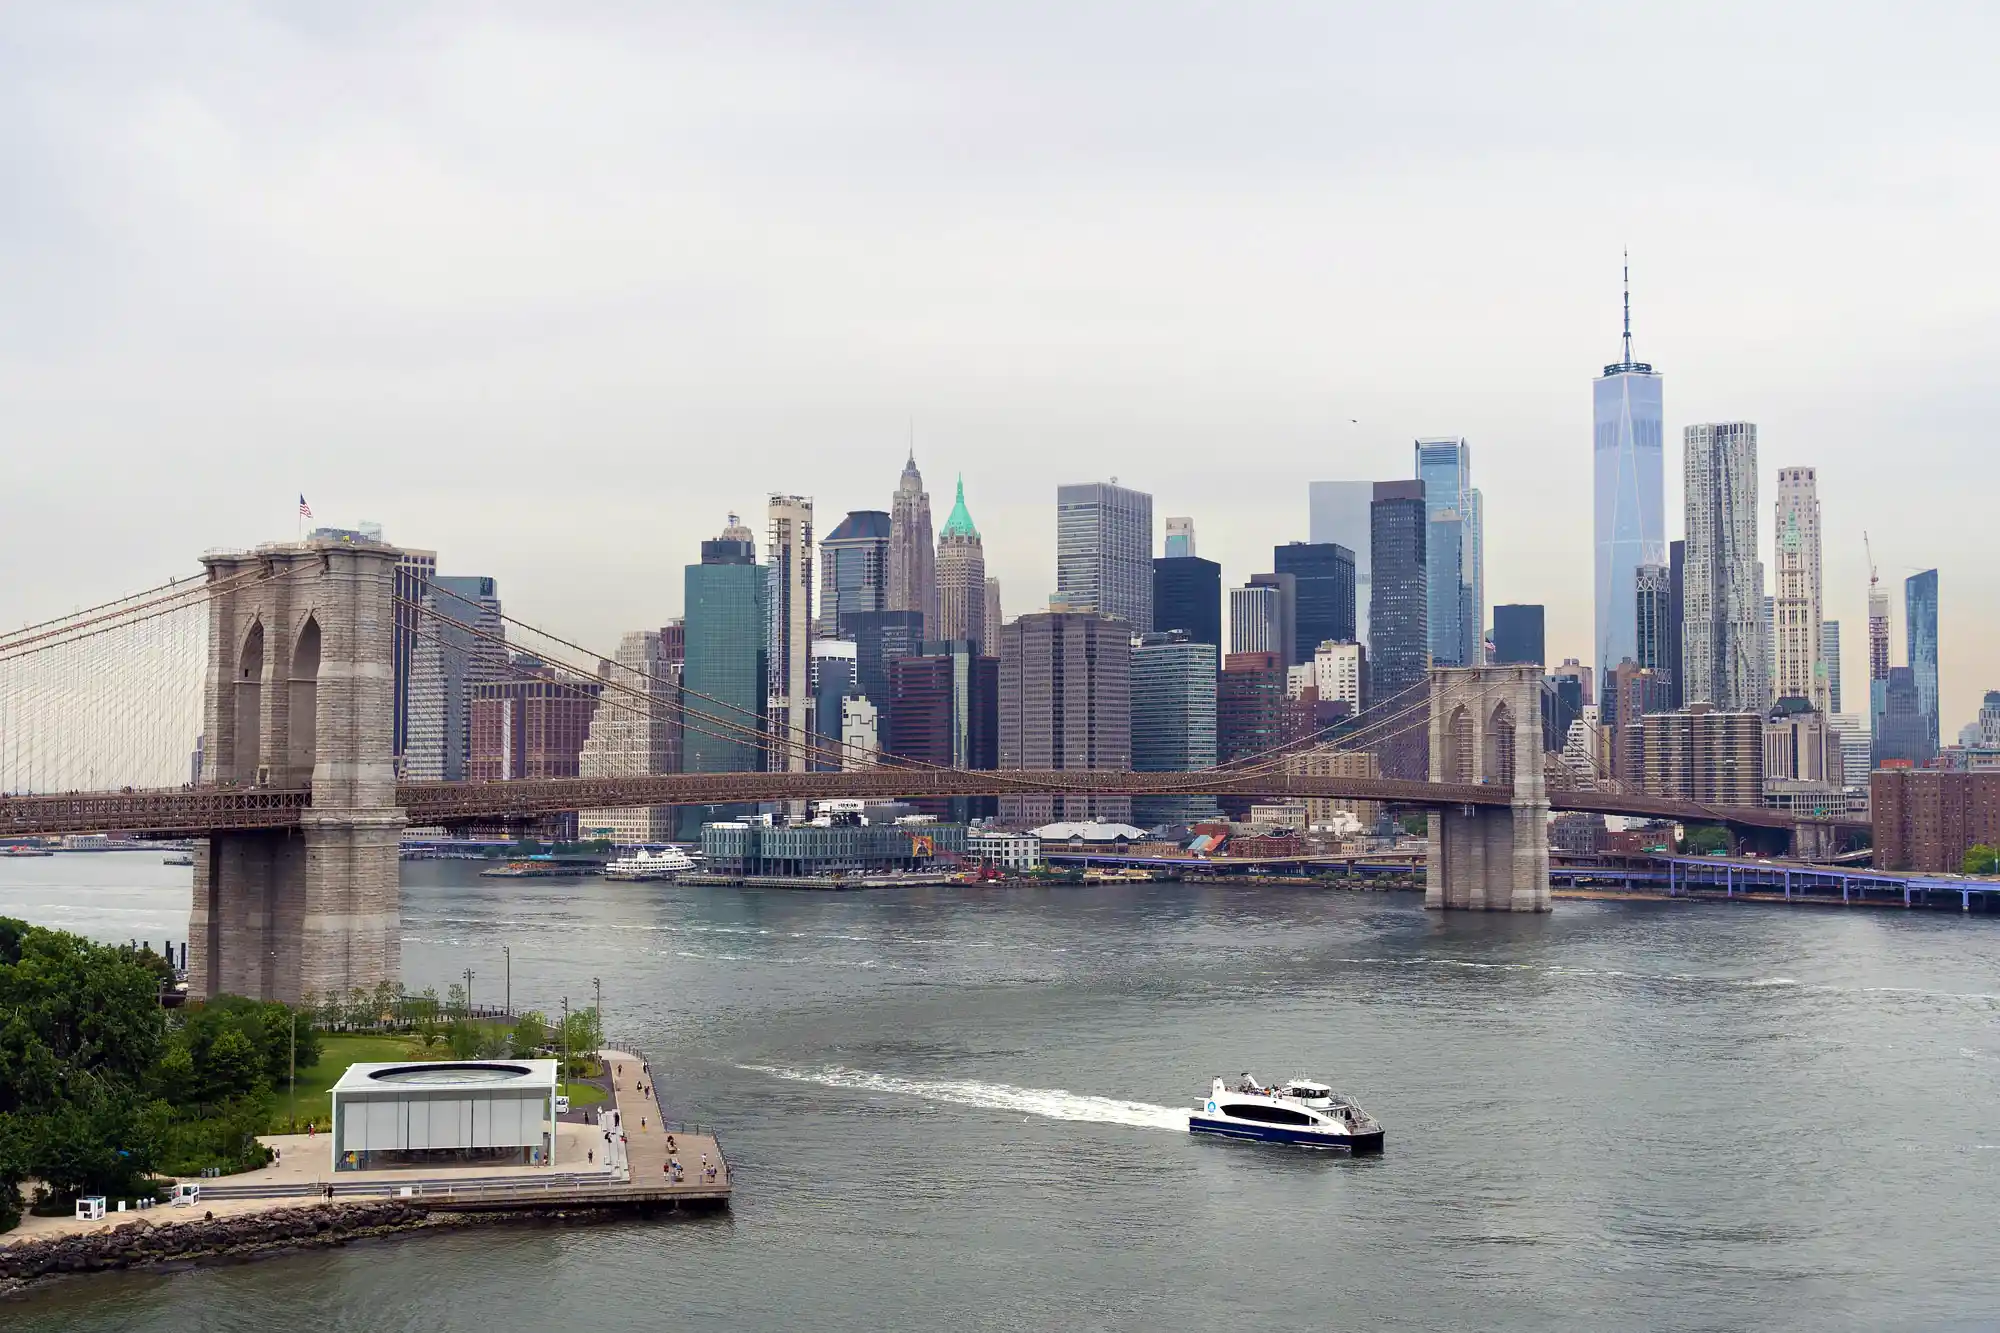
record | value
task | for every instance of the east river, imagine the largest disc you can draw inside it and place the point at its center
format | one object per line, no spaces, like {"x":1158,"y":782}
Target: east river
{"x":962,"y":1110}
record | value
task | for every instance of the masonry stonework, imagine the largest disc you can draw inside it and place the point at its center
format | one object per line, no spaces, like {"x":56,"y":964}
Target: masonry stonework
{"x":1486,"y":727}
{"x":299,"y":692}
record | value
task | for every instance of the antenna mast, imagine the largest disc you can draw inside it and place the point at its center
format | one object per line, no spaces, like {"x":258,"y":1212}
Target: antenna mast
{"x":1628,"y":305}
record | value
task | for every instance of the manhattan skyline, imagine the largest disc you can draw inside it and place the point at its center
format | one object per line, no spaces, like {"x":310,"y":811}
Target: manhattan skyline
{"x":461,"y":330}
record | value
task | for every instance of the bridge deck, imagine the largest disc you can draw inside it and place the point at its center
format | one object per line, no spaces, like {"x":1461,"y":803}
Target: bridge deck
{"x":223,"y":808}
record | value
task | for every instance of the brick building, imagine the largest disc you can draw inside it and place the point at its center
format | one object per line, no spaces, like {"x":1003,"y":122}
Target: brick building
{"x":1925,"y":819}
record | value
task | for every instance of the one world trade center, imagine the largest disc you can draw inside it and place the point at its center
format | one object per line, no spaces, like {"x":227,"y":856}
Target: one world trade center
{"x":1630,"y":511}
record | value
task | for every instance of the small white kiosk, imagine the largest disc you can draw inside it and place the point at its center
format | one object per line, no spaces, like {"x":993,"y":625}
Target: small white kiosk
{"x":448,"y":1113}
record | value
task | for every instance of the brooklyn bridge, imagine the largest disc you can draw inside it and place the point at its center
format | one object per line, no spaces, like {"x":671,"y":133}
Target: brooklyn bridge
{"x":282,"y":660}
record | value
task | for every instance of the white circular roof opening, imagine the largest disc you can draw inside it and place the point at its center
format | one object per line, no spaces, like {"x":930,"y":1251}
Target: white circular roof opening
{"x":451,"y":1073}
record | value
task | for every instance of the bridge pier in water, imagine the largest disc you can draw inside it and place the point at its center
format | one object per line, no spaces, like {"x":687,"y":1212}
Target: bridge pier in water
{"x":299,"y":691}
{"x":1486,"y":726}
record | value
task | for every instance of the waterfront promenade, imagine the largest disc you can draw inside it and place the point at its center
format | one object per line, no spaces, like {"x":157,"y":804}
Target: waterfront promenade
{"x":647,"y":1131}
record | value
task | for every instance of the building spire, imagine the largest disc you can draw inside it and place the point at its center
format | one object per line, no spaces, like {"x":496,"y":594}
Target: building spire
{"x":1628,"y":305}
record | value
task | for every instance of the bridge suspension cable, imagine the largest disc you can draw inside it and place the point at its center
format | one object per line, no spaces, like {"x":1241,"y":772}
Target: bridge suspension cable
{"x":110,"y":696}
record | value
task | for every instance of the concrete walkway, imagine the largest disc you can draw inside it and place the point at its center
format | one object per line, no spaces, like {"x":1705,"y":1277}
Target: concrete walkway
{"x":647,"y":1136}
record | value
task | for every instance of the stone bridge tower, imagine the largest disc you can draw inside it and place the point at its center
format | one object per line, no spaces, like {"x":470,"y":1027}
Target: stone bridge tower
{"x":299,"y":693}
{"x":1486,"y":727}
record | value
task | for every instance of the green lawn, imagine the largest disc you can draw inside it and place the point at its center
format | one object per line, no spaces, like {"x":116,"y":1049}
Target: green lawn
{"x":583,"y":1094}
{"x":337,"y":1051}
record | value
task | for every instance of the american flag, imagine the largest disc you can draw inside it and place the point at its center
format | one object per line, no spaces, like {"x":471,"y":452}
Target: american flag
{"x":305,"y":510}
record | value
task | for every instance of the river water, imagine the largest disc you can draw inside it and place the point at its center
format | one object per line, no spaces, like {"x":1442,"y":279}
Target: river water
{"x":963,"y":1109}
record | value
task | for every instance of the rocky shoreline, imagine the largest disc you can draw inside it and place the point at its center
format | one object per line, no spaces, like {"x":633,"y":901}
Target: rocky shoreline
{"x":142,"y":1244}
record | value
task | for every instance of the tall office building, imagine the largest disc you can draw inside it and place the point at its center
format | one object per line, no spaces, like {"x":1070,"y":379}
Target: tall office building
{"x":1829,"y":653}
{"x":1249,"y":713}
{"x":1653,"y":607}
{"x":1767,"y":631}
{"x":1339,"y":512}
{"x":1851,"y":731}
{"x":1878,"y":629}
{"x":1920,"y":625}
{"x":1722,"y":639}
{"x":1187,"y":595}
{"x":1399,"y":657}
{"x":993,"y":619}
{"x":1399,"y":594}
{"x":532,"y":725}
{"x":1104,"y":551}
{"x":1457,"y":600}
{"x":961,"y":577}
{"x":1797,"y":657}
{"x":945,"y":710}
{"x":912,"y":553}
{"x":1675,"y":655}
{"x":1903,"y":734}
{"x":831,"y":678}
{"x":1287,"y":630}
{"x":880,"y":637}
{"x":1180,"y":538}
{"x":414,"y":570}
{"x":726,"y":672}
{"x":445,"y":662}
{"x":631,"y":736}
{"x":1065,"y":702}
{"x":1629,"y":510}
{"x":1517,"y":634}
{"x":1632,"y":692}
{"x":1173,"y":721}
{"x":1322,"y":593}
{"x":853,"y":569}
{"x":1340,"y":674}
{"x":789,"y":548}
{"x":1254,"y":620}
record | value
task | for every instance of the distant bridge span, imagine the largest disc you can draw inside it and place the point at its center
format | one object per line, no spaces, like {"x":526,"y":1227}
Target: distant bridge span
{"x":221,"y":809}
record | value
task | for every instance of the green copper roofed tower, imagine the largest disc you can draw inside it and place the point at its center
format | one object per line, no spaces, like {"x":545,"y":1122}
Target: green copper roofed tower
{"x":960,"y":522}
{"x":961,"y":576}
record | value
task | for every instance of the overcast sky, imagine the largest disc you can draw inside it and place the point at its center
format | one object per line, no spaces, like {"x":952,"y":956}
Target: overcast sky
{"x":551,"y":289}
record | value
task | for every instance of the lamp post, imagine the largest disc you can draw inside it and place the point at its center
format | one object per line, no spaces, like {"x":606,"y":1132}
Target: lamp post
{"x":562,"y":1070}
{"x":508,"y":954}
{"x":597,"y":1008}
{"x":293,"y":1076}
{"x":468,"y":992}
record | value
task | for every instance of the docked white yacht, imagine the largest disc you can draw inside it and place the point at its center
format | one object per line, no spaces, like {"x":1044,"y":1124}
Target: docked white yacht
{"x":644,"y":865}
{"x":1296,"y":1111}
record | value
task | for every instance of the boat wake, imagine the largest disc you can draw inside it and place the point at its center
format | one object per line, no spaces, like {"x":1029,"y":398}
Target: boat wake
{"x":1049,"y":1103}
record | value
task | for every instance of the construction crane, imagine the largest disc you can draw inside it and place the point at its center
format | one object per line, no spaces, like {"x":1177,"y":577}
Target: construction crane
{"x":1869,"y":547}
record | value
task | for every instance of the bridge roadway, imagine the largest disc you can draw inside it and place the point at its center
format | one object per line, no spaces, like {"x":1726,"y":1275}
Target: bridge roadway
{"x":223,"y":808}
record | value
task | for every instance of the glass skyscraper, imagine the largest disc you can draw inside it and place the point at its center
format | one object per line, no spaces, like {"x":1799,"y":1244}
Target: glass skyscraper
{"x":1339,"y":511}
{"x":1104,"y":552}
{"x":1173,"y":721}
{"x":853,"y":570}
{"x":1629,"y":510}
{"x":1323,"y":595}
{"x":726,"y":674}
{"x":1920,"y":621}
{"x":1456,"y":615}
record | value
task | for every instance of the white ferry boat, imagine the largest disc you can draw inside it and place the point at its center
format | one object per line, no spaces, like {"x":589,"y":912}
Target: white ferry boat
{"x":1296,"y":1111}
{"x":642,"y":865}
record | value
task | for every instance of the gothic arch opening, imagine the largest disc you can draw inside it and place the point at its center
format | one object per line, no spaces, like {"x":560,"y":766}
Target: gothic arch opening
{"x":1499,"y":758}
{"x":1458,"y":747}
{"x":303,"y":702}
{"x":248,"y":752}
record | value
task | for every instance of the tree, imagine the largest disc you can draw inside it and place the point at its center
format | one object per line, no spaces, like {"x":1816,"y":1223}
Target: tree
{"x":1702,"y":839}
{"x":1416,"y":826}
{"x":1981,"y":860}
{"x":465,"y":1039}
{"x":229,"y":1068}
{"x":530,"y":1034}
